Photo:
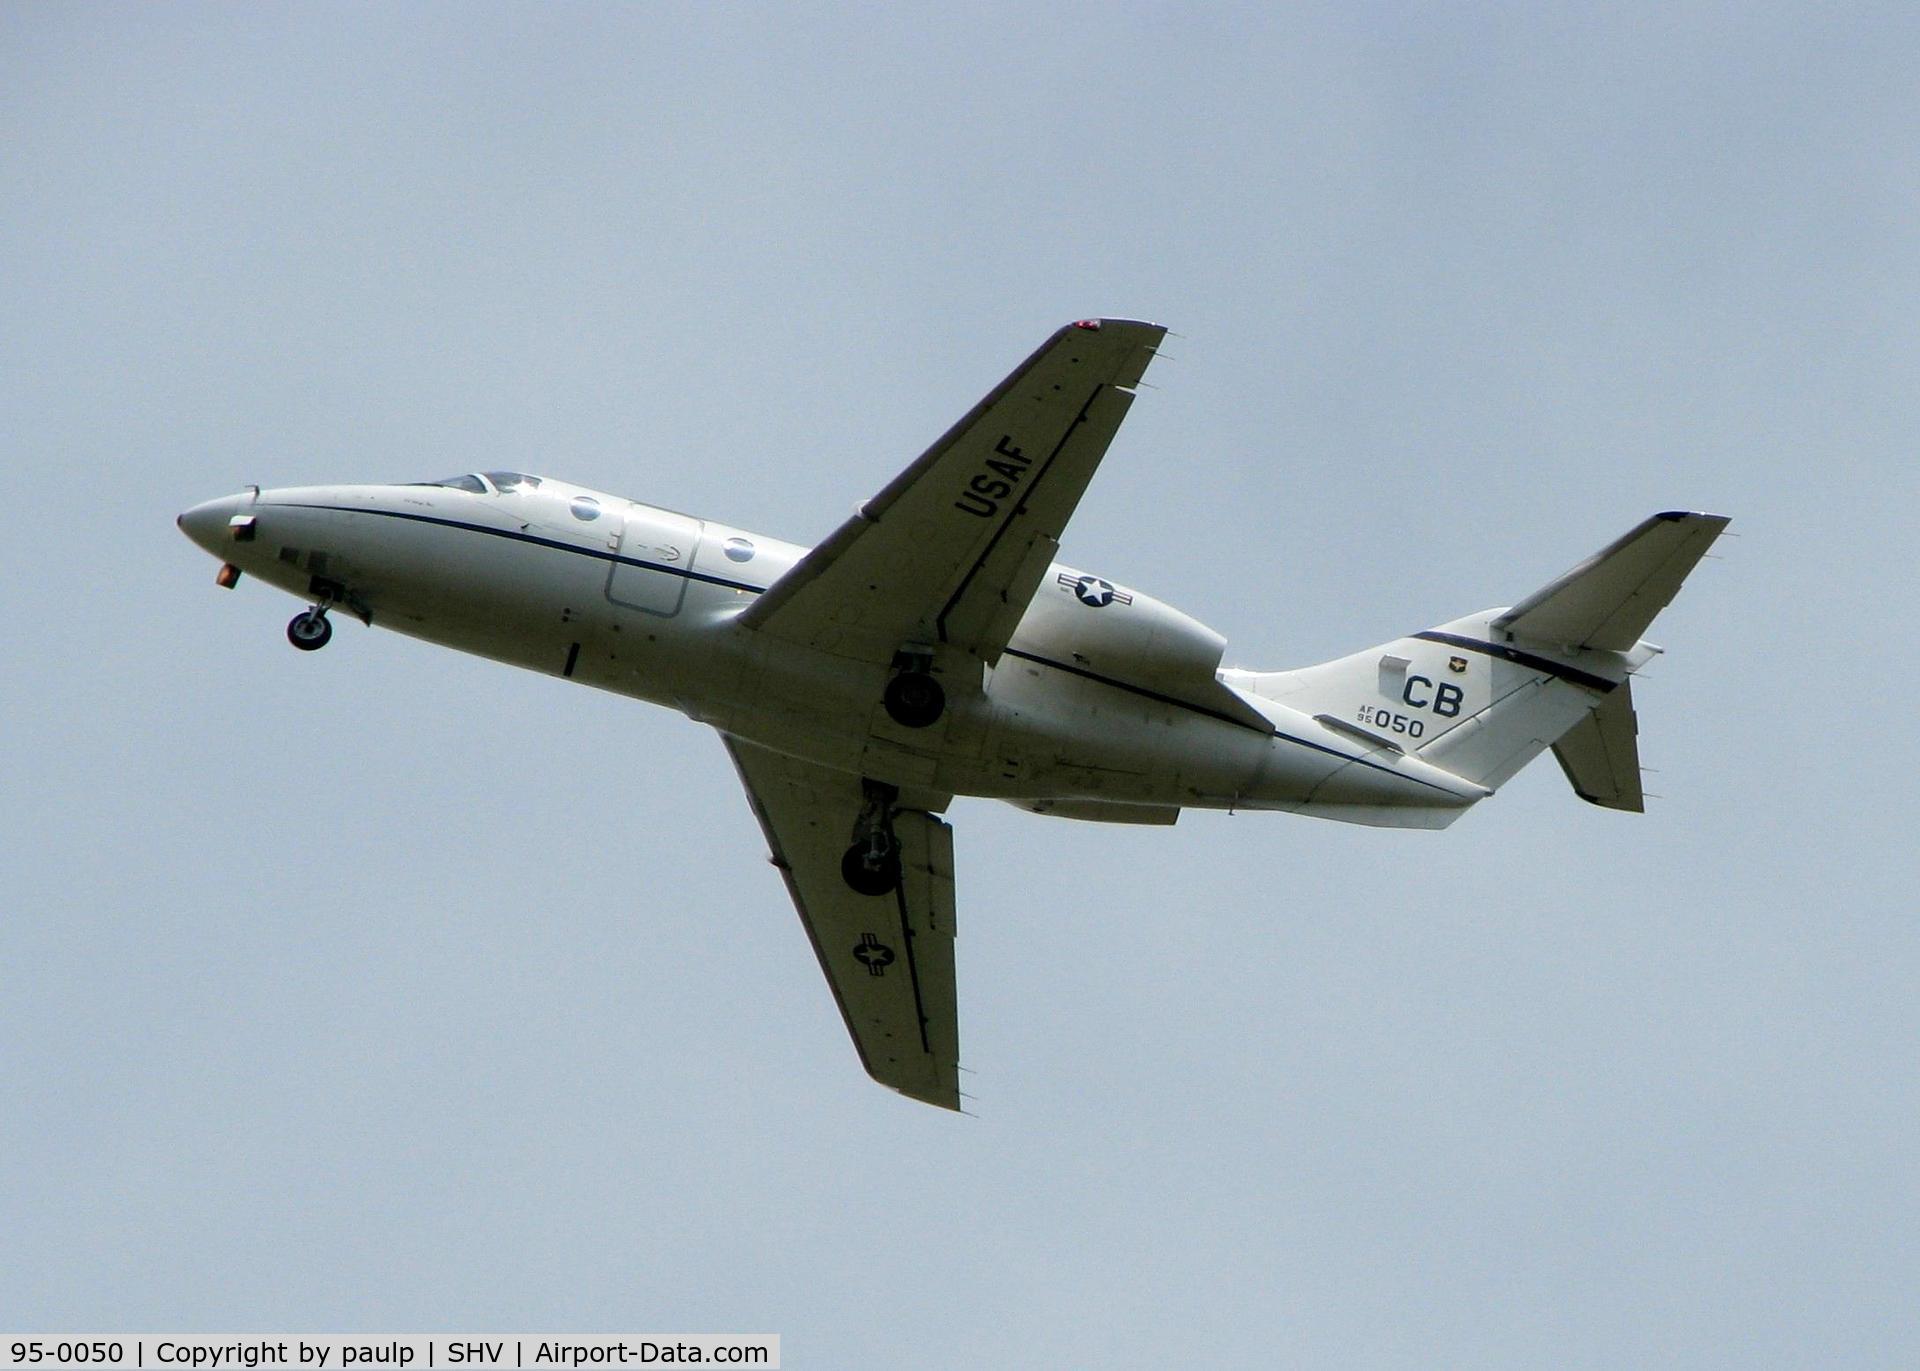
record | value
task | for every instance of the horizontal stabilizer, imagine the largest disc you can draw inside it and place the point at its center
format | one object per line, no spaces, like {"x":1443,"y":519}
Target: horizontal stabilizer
{"x":1609,"y":600}
{"x":1601,"y":754}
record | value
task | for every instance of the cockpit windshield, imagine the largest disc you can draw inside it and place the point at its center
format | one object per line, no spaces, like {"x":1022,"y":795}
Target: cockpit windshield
{"x":504,"y":482}
{"x":472,"y":483}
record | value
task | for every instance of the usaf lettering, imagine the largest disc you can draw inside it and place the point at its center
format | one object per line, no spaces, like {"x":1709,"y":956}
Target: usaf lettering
{"x":984,"y":493}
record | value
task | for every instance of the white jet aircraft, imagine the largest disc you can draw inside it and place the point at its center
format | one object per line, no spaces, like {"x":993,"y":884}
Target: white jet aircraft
{"x":932,"y":647}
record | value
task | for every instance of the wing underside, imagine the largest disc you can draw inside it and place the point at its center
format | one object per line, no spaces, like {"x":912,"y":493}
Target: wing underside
{"x":888,"y":958}
{"x":939,"y":566}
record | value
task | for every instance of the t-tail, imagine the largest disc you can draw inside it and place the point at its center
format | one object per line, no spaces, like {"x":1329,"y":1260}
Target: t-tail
{"x":1482,"y":696}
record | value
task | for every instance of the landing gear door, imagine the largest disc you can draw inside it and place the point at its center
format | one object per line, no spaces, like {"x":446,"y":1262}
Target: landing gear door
{"x":656,"y":553}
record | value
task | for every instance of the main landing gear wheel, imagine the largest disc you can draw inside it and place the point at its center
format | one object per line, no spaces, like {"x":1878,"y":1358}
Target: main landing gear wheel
{"x":914,"y":699}
{"x":871,"y":872}
{"x":309,"y":631}
{"x":872,"y":865}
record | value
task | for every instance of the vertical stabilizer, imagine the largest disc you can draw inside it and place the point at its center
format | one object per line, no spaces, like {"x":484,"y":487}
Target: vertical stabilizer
{"x":1482,"y":696}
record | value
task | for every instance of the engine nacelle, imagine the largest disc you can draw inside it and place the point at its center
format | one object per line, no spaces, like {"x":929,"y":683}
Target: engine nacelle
{"x":1084,"y":622}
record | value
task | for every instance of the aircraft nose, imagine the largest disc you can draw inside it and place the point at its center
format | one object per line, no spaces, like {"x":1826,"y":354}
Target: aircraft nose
{"x":206,"y":523}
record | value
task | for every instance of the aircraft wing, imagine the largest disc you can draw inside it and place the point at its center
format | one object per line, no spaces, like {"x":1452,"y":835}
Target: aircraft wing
{"x":888,"y":958}
{"x":950,"y":552}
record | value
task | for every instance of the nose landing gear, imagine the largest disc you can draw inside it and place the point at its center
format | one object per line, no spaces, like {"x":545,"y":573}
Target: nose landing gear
{"x":872,"y":865}
{"x":309,"y":630}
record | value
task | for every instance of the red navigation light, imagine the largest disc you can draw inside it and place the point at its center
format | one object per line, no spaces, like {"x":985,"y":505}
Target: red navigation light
{"x":1093,"y":324}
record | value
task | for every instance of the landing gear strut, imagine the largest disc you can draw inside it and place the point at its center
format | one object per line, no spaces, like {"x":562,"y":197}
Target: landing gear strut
{"x":872,"y":865}
{"x":309,"y":630}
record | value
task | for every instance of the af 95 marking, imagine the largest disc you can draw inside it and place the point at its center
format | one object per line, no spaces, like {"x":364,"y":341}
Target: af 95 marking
{"x":1391,"y":722}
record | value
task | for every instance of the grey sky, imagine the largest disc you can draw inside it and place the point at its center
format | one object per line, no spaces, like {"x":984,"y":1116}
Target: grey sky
{"x":388,"y":989}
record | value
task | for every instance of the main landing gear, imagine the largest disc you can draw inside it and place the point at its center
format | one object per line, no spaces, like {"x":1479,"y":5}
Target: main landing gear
{"x":872,"y":865}
{"x":914,"y":699}
{"x":309,"y":630}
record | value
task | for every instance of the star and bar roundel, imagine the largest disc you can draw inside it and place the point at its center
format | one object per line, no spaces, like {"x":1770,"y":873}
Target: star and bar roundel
{"x":873,"y":954}
{"x":1093,"y":591}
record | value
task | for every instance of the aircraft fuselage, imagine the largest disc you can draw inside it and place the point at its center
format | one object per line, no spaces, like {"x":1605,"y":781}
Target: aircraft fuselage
{"x":1095,"y":710}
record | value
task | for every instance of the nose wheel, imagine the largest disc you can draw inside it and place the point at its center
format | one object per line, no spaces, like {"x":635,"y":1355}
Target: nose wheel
{"x":309,"y":630}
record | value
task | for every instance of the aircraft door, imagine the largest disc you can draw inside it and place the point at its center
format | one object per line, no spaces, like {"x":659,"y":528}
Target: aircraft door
{"x":657,"y":549}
